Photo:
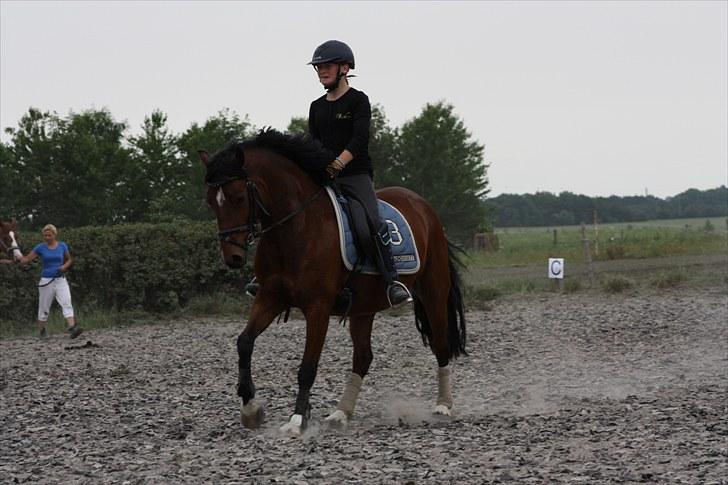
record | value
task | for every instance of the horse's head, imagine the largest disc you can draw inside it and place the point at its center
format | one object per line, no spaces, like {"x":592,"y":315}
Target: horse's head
{"x":233,"y":198}
{"x":8,"y":239}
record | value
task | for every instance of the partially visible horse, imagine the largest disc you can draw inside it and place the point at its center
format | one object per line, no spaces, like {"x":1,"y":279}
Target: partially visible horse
{"x":8,"y":242}
{"x":270,"y":188}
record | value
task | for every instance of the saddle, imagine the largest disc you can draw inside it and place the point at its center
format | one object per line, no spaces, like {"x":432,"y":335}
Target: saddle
{"x":404,"y":248}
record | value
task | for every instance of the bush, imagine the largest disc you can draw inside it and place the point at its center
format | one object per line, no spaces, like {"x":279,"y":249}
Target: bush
{"x":616,"y":251}
{"x":572,"y":285}
{"x":618,"y":284}
{"x":669,"y":280}
{"x":149,"y":267}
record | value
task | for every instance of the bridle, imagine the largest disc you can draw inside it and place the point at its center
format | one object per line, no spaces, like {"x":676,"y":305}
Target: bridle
{"x":254,"y":227}
{"x":9,"y":249}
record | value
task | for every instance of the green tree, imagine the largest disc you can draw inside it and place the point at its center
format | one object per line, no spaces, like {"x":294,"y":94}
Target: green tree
{"x":25,"y":162}
{"x":188,"y":198}
{"x":298,"y":124}
{"x":437,"y":158}
{"x":73,"y":171}
{"x":159,"y":170}
{"x":383,"y":149}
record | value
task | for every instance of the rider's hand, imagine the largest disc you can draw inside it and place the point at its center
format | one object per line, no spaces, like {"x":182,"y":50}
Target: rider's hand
{"x":334,"y":168}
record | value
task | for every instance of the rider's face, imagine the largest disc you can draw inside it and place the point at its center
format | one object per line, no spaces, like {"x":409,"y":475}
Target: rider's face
{"x":328,"y":72}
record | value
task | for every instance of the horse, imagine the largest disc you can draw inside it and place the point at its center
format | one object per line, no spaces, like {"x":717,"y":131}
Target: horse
{"x":269,"y":189}
{"x":8,"y":242}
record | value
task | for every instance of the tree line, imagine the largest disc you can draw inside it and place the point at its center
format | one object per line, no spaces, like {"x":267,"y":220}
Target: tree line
{"x":87,"y":169}
{"x":566,"y":208}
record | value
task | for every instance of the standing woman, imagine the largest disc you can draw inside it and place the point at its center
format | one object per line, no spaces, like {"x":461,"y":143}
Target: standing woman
{"x":56,"y":261}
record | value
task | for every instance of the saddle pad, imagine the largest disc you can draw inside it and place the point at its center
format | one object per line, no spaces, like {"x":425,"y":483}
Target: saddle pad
{"x":404,"y":248}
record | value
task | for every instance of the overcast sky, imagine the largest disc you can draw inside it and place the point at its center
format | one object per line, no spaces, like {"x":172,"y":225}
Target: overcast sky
{"x":596,"y":98}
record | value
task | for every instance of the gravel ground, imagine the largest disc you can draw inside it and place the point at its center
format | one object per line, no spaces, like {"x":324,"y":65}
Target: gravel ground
{"x":564,"y":389}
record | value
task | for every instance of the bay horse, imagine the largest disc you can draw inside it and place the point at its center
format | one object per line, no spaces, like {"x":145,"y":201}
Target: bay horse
{"x":8,"y":241}
{"x":270,"y":189}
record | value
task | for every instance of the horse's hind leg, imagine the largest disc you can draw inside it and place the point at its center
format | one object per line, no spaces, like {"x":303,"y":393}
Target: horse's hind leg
{"x":360,"y":329}
{"x":433,"y":298}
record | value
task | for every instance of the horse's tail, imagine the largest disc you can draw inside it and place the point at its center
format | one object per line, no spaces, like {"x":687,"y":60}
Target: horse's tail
{"x":456,"y":331}
{"x":456,"y":328}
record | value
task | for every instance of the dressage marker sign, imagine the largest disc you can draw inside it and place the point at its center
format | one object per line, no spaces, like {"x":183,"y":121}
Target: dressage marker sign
{"x":556,"y":268}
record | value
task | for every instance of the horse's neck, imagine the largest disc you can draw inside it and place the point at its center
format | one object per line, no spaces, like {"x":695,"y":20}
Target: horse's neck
{"x":283,"y":184}
{"x":286,"y":188}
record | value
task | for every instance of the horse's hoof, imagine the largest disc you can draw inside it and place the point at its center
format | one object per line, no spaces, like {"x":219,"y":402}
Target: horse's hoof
{"x":442,"y":410}
{"x":251,"y":415}
{"x":294,"y":427}
{"x":337,"y":419}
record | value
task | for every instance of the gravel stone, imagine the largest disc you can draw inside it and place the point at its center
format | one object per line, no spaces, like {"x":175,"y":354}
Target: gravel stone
{"x":559,"y":389}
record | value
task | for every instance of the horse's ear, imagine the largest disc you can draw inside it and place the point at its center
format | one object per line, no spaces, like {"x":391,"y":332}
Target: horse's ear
{"x":239,"y":154}
{"x":204,"y":156}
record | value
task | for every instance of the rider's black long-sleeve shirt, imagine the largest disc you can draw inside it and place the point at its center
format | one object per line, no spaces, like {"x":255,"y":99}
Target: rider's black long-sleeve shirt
{"x":344,"y":124}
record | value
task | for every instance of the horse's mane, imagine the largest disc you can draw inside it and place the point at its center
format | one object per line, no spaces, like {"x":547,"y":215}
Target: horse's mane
{"x":307,"y":152}
{"x":302,"y":149}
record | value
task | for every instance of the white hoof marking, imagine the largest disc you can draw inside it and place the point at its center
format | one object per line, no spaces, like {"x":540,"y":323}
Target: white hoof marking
{"x":337,"y":418}
{"x":442,"y":409}
{"x":293,"y":427}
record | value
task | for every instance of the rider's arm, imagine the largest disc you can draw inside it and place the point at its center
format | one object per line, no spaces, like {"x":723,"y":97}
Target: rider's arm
{"x":361,"y":118}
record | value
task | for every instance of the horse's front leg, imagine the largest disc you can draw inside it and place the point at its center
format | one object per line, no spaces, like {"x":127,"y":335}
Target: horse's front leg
{"x":317,"y":324}
{"x":263,"y":312}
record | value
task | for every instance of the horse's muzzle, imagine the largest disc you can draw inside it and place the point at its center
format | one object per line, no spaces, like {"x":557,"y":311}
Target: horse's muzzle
{"x":234,"y":258}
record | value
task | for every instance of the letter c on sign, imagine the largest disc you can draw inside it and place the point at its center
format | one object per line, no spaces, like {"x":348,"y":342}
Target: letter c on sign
{"x":556,"y":268}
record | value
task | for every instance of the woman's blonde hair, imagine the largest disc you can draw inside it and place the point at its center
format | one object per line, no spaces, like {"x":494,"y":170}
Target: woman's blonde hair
{"x":50,"y":227}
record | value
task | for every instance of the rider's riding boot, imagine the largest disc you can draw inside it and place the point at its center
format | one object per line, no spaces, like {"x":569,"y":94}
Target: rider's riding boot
{"x":397,"y":292}
{"x":251,"y":289}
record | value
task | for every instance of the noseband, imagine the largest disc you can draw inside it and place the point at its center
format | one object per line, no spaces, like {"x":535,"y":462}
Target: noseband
{"x":254,"y":228}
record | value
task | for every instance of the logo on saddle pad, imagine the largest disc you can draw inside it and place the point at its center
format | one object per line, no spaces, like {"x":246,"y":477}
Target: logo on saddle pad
{"x":404,"y":249}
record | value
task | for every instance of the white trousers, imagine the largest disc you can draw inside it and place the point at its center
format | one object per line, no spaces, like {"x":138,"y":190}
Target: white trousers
{"x":57,"y":289}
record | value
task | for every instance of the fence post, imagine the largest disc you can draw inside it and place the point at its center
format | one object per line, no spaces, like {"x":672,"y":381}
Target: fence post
{"x":587,"y":255}
{"x":596,"y":234}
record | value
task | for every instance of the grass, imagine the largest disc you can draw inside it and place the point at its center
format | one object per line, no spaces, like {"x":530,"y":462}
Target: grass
{"x":651,"y":255}
{"x":651,"y":239}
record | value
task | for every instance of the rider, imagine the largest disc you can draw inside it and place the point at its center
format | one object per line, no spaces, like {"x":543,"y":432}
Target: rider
{"x":340,"y":120}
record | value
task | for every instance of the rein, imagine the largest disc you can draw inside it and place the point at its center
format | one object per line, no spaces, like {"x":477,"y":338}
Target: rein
{"x":254,"y":227}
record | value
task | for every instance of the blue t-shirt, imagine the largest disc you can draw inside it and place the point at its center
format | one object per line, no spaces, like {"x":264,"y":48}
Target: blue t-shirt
{"x":52,"y":259}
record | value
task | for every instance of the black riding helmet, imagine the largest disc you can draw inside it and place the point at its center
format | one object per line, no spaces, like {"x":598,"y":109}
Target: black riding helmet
{"x":333,"y":51}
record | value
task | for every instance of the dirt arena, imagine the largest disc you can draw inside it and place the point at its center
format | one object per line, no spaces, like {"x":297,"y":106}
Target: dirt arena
{"x":556,"y":389}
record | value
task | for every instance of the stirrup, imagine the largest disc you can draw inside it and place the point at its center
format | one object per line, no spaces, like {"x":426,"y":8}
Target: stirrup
{"x":251,"y":289}
{"x":406,"y":298}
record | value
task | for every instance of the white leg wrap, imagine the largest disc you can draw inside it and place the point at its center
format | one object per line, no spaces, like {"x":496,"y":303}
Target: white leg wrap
{"x":351,"y":393}
{"x":444,"y":397}
{"x":337,"y":418}
{"x":249,"y":409}
{"x":293,"y":426}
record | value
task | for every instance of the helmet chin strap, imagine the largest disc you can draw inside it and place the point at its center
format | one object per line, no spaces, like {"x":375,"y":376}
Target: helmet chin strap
{"x":335,"y":84}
